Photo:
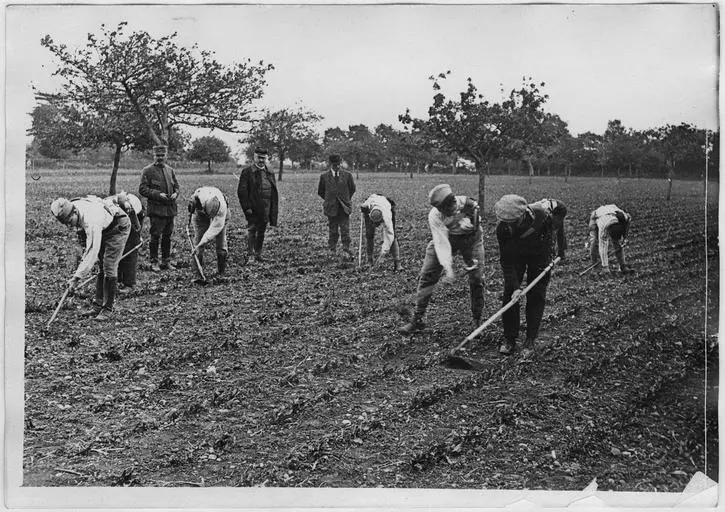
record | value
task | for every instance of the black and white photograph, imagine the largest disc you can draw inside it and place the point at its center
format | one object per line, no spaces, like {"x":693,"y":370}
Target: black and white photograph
{"x":353,"y":255}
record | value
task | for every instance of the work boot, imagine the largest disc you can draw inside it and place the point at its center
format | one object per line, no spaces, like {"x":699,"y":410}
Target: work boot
{"x":396,"y":266}
{"x":93,"y":310}
{"x":221,"y":262}
{"x":528,"y":348}
{"x":109,"y":296}
{"x":347,"y":255}
{"x":251,"y":246}
{"x":413,"y":326}
{"x":166,"y":264}
{"x":103,"y":315}
{"x":124,"y":290}
{"x":507,"y":347}
{"x":155,"y":265}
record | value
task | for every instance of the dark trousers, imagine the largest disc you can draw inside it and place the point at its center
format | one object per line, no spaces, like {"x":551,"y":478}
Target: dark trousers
{"x":255,"y":236}
{"x":127,"y":266}
{"x":339,"y":227}
{"x":470,"y":247}
{"x":558,"y":235}
{"x":535,"y":299}
{"x":161,"y":229}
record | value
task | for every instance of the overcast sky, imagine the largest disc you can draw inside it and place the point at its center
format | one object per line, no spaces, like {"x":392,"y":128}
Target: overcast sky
{"x":646,"y":65}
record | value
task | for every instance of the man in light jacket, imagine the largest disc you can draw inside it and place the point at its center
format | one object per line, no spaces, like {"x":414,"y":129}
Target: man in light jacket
{"x":608,"y":222}
{"x":379,"y":210}
{"x":210,"y":212}
{"x":106,"y":227}
{"x":455,"y":226}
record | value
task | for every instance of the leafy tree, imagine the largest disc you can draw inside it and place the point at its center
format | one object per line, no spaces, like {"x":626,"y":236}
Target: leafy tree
{"x":279,"y":132}
{"x":162,"y":83}
{"x":483,"y":131}
{"x":209,"y":149}
{"x":305,"y":150}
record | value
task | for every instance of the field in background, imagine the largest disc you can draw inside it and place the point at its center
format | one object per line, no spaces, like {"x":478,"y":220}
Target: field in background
{"x":291,"y":373}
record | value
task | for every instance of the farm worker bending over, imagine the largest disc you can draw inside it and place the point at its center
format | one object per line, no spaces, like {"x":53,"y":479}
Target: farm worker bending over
{"x":605,"y":223}
{"x":558,"y":211}
{"x":210,"y":212}
{"x":127,"y":266}
{"x":379,"y":210}
{"x":257,"y":193}
{"x":525,"y":245}
{"x":159,"y":186}
{"x":337,"y":187}
{"x":456,"y":228}
{"x":106,"y":228}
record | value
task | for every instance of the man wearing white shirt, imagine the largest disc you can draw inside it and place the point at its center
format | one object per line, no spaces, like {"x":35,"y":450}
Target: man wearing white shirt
{"x":455,"y":226}
{"x":608,"y":222}
{"x":210,"y":212}
{"x":106,"y":227}
{"x":377,"y":211}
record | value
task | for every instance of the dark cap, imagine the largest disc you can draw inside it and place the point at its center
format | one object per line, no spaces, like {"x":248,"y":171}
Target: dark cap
{"x":335,"y":159}
{"x":260,"y":151}
{"x":159,"y":150}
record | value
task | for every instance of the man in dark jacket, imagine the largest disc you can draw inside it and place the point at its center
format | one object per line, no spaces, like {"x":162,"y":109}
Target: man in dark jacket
{"x":525,"y":245}
{"x":160,"y":188}
{"x":337,"y":187}
{"x":257,"y":192}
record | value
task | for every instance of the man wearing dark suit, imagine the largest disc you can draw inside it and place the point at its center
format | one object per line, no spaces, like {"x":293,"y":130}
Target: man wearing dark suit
{"x":160,"y":188}
{"x":336,"y":188}
{"x":257,"y":192}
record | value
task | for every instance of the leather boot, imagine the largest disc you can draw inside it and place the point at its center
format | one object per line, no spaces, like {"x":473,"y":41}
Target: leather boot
{"x":109,"y":296}
{"x":258,"y":247}
{"x":221,"y":261}
{"x":251,"y":245}
{"x":416,"y":324}
{"x":396,"y":266}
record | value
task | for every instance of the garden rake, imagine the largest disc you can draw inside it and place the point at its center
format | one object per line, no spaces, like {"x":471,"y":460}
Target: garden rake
{"x":359,"y":242}
{"x":454,"y":361}
{"x":196,"y":258}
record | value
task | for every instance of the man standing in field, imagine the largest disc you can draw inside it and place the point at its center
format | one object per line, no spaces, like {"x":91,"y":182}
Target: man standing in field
{"x":336,"y":188}
{"x":606,"y":223}
{"x":456,"y":228}
{"x":160,"y":188}
{"x":557,"y":210}
{"x":127,"y":266}
{"x":209,"y":210}
{"x":257,"y":193}
{"x":379,"y":210}
{"x":525,"y":245}
{"x":106,"y":227}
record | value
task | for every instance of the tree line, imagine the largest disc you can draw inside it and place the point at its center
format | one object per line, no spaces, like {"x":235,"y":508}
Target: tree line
{"x":129,"y":91}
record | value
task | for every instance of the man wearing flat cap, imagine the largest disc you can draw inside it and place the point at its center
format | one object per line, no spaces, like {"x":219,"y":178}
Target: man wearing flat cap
{"x":525,"y":246}
{"x":105,"y":228}
{"x":378,"y":210}
{"x":209,"y":211}
{"x":455,"y":226}
{"x":608,"y":223}
{"x":336,"y":188}
{"x":257,"y":193}
{"x":160,"y":188}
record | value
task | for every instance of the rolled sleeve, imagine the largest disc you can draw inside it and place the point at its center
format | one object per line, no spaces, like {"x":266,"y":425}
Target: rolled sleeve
{"x":441,"y":244}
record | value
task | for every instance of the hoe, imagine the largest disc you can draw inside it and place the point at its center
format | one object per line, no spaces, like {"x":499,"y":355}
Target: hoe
{"x":455,"y":361}
{"x":67,"y":290}
{"x":196,"y":258}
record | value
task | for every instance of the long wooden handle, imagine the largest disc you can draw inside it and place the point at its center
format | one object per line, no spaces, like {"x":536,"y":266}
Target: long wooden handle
{"x":359,"y":242}
{"x":501,"y":311}
{"x":60,"y":304}
{"x":196,"y":258}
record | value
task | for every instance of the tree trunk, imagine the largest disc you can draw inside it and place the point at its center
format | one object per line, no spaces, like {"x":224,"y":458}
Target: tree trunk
{"x":281,"y":165}
{"x":114,"y":171}
{"x":670,"y":175}
{"x":566,"y":173}
{"x":602,"y":171}
{"x":208,"y":166}
{"x":531,"y":168}
{"x":410,"y":170}
{"x":481,"y":168}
